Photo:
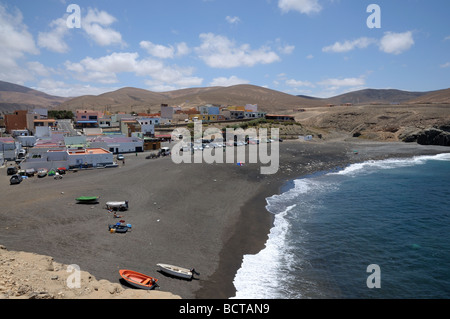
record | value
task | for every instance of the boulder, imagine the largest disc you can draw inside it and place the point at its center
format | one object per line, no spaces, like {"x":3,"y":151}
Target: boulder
{"x":430,"y":136}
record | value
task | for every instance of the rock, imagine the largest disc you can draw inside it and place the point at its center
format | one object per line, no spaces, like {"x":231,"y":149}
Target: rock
{"x":40,"y":295}
{"x":50,"y":266}
{"x":434,"y":136}
{"x":430,"y":136}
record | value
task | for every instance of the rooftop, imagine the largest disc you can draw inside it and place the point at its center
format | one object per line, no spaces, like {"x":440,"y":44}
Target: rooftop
{"x":87,"y":151}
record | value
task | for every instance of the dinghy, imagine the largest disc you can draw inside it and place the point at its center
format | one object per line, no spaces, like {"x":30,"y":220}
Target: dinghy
{"x":119,"y":205}
{"x":177,"y":271}
{"x":138,"y":280}
{"x":88,"y":199}
{"x":42,"y":172}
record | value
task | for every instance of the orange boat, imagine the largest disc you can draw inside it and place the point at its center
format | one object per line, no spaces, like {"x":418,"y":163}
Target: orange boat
{"x":138,"y":280}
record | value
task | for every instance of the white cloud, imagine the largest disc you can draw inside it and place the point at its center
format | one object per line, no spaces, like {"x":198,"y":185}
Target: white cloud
{"x":158,"y":50}
{"x":346,"y":46}
{"x":445,"y":65}
{"x":105,"y":70}
{"x":96,"y":25}
{"x":165,"y":52}
{"x":302,"y":6}
{"x":54,"y":40}
{"x":232,"y":80}
{"x":15,"y":43}
{"x":220,"y":52}
{"x":295,"y":83}
{"x":15,"y":40}
{"x":39,"y":69}
{"x":392,"y":43}
{"x":183,"y":49}
{"x":343,"y":82}
{"x":59,"y":88}
{"x":336,"y":86}
{"x":232,"y":20}
{"x":396,"y":43}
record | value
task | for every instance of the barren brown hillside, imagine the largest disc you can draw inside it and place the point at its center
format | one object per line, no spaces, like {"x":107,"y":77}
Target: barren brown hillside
{"x":441,"y":96}
{"x":16,"y":97}
{"x":268,"y":100}
{"x":122,"y":100}
{"x":378,"y":122}
{"x":137,"y":100}
{"x":375,"y":96}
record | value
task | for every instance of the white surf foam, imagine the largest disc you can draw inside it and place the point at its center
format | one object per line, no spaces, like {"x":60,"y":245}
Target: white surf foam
{"x":371,"y":166}
{"x":257,"y":278}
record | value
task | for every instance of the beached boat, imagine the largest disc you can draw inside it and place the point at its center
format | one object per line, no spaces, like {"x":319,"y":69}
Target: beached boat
{"x":87,"y":199}
{"x":120,"y":205}
{"x":30,"y":172}
{"x":42,"y":172}
{"x":119,"y":228}
{"x":177,"y":271}
{"x":138,"y":280}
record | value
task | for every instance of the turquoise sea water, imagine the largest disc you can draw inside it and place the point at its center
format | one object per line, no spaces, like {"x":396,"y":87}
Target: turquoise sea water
{"x":330,"y":227}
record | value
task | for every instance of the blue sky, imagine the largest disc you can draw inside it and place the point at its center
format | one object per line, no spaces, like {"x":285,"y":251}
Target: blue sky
{"x":312,"y":47}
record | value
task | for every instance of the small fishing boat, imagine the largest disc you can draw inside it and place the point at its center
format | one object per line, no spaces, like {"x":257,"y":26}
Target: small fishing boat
{"x":88,"y":199}
{"x":119,"y":228}
{"x":42,"y":172}
{"x":119,"y":205}
{"x":178,"y":271}
{"x":138,"y":280}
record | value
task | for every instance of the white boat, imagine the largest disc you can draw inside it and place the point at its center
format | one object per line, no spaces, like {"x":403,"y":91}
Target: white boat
{"x":177,"y":271}
{"x":121,"y":205}
{"x":42,"y":172}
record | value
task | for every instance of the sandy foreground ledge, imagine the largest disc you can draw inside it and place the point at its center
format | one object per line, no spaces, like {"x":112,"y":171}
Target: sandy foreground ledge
{"x":31,"y":276}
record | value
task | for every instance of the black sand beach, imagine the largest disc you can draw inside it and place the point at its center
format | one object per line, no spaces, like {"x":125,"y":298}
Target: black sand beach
{"x":192,"y":215}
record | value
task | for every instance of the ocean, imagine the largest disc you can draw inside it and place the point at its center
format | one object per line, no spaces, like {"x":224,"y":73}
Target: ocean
{"x":332,"y":228}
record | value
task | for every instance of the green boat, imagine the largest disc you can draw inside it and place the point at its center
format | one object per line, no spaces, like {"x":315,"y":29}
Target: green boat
{"x":87,"y":199}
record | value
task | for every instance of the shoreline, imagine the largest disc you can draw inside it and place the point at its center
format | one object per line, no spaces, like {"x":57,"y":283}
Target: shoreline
{"x":229,"y":269}
{"x":202,"y":216}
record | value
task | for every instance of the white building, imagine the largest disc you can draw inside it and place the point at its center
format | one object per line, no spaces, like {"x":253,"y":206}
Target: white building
{"x":8,"y":148}
{"x":72,"y":158}
{"x":148,"y":124}
{"x":118,"y":144}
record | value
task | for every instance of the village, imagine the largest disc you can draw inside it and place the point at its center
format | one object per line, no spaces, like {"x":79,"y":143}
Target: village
{"x":32,"y":143}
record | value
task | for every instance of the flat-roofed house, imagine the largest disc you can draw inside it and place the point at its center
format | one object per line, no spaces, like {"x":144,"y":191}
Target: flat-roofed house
{"x":118,"y":144}
{"x":89,"y":157}
{"x":88,"y":118}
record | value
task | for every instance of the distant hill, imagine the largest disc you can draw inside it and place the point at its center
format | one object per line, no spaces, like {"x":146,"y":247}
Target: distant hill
{"x":441,"y":96}
{"x":129,"y":99}
{"x":16,"y":97}
{"x":375,"y":96}
{"x":138,"y":100}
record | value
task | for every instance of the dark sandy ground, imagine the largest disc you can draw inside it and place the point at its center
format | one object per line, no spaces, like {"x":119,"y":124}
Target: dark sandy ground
{"x":205,"y":216}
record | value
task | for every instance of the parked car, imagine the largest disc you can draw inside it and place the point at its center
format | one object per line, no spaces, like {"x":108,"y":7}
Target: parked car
{"x":12,"y":170}
{"x":15,"y":179}
{"x":120,"y":157}
{"x":165,"y":151}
